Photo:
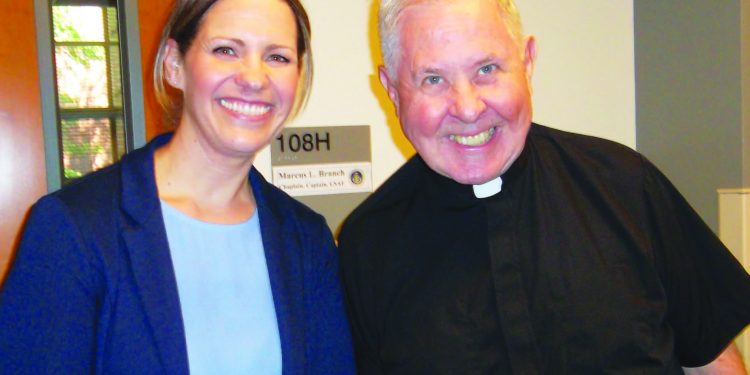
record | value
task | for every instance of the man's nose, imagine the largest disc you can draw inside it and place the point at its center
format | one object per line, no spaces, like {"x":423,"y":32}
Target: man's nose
{"x":468,"y":104}
{"x":252,"y":75}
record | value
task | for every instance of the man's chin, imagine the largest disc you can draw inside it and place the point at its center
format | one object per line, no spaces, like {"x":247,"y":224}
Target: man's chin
{"x":473,"y":177}
{"x":471,"y":172}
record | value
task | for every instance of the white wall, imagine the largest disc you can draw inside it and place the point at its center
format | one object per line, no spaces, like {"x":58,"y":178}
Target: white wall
{"x":734,"y":231}
{"x":584,"y":79}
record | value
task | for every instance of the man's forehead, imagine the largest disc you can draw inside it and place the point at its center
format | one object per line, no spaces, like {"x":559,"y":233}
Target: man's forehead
{"x":429,"y":6}
{"x":443,"y":18}
{"x":431,"y":31}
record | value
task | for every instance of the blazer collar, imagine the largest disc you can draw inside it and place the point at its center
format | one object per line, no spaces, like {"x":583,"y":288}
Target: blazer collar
{"x":285,"y":270}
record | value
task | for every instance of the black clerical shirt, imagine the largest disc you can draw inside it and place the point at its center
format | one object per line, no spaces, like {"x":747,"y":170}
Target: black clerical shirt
{"x":587,"y":261}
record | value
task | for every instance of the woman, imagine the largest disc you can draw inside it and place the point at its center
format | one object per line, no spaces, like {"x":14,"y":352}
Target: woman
{"x":181,"y":257}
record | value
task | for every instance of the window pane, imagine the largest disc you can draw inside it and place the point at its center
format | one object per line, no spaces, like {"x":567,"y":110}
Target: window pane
{"x":112,"y":28}
{"x":115,"y":74}
{"x":77,"y":24}
{"x":120,"y":137}
{"x":81,"y":77}
{"x":87,"y":145}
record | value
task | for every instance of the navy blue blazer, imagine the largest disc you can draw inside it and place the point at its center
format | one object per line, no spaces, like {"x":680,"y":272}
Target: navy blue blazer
{"x":92,"y":288}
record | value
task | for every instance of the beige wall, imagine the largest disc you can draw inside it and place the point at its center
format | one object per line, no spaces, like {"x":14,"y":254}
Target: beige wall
{"x":585,"y":76}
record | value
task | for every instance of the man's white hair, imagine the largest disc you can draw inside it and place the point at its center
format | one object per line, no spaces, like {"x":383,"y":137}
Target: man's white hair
{"x":390,"y":12}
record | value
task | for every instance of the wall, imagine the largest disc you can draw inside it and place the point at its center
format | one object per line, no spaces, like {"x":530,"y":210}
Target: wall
{"x":152,"y":15}
{"x":584,"y":79}
{"x":21,"y":142}
{"x":585,"y":74}
{"x":734,"y":231}
{"x":745,"y":31}
{"x":689,"y":95}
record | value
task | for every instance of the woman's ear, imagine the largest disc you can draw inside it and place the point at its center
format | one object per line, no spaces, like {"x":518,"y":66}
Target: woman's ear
{"x":172,"y":65}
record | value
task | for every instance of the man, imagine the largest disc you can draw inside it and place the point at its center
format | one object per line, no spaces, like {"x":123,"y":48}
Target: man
{"x":509,"y":247}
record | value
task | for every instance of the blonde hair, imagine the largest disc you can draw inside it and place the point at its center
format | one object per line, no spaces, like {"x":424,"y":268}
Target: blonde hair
{"x":390,"y":11}
{"x":182,"y":27}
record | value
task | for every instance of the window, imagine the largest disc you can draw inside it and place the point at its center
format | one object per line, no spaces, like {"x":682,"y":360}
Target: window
{"x":89,"y":68}
{"x":89,"y":86}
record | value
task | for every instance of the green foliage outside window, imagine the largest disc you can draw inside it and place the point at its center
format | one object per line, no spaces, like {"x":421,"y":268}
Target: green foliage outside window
{"x":89,"y":88}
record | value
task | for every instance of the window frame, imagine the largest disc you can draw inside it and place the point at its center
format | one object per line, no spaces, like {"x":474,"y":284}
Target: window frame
{"x":132,"y":85}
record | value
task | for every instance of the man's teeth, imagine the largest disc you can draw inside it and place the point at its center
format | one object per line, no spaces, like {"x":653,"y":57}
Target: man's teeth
{"x":245,"y":108}
{"x":473,"y":140}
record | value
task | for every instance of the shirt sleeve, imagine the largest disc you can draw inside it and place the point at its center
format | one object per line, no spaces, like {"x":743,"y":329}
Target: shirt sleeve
{"x":49,"y":300}
{"x":708,"y":290}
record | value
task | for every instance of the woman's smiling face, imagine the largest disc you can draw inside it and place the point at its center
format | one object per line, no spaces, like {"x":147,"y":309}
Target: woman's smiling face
{"x":239,"y":76}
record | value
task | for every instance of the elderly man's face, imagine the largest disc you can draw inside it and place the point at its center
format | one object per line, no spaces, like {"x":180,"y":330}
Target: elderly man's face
{"x":462,"y":88}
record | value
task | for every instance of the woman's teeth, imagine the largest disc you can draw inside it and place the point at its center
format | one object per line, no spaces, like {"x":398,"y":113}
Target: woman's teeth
{"x":245,"y":108}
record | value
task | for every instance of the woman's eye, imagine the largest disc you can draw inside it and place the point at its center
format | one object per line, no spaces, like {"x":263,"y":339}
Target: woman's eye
{"x":278,"y":58}
{"x":225,"y":51}
{"x":487,"y":69}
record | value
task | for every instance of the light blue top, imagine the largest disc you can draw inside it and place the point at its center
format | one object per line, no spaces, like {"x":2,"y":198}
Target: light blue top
{"x":225,"y":295}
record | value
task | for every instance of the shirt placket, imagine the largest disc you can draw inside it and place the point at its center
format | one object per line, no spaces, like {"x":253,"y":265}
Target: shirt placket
{"x":510,"y":295}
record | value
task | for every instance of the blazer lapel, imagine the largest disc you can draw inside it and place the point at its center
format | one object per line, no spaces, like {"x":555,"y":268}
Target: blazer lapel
{"x":285,"y":270}
{"x":146,"y":241}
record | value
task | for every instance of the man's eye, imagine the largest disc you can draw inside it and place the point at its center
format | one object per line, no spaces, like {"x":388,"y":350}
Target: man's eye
{"x":225,"y":51}
{"x":433,"y":80}
{"x":487,"y":69}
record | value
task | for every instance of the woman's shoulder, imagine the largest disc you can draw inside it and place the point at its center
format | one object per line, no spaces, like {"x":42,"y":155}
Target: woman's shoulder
{"x":103,"y":189}
{"x":89,"y":192}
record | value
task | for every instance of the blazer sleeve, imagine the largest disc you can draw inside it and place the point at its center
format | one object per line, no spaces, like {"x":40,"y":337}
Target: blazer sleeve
{"x":49,"y":300}
{"x":330,"y":346}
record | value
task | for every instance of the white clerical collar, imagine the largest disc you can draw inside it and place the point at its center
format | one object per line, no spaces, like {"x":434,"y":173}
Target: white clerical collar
{"x":488,"y":188}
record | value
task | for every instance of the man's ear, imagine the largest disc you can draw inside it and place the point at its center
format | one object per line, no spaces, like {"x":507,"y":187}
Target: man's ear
{"x":389,"y":85}
{"x":172,"y":65}
{"x":529,"y":57}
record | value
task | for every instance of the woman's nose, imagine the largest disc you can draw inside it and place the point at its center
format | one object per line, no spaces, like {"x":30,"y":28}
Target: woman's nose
{"x":252,"y":76}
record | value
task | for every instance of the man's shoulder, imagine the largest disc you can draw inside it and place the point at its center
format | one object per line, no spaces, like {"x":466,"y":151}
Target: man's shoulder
{"x":584,"y":150}
{"x":390,"y":200}
{"x":586,"y":143}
